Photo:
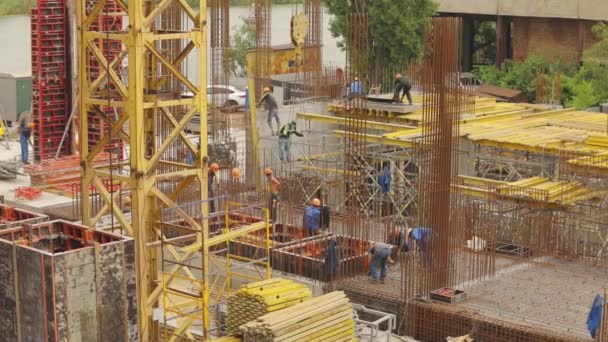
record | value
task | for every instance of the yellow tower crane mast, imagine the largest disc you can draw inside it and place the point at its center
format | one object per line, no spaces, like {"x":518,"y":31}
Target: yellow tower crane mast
{"x":149,"y":117}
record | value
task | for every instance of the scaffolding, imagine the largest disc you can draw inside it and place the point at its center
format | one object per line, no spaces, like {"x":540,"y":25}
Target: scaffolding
{"x":192,"y":294}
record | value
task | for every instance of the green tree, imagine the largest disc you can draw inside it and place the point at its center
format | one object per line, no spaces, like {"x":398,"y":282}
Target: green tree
{"x":242,"y":40}
{"x":520,"y":75}
{"x":591,"y":83}
{"x":396,"y":27}
{"x":12,"y":7}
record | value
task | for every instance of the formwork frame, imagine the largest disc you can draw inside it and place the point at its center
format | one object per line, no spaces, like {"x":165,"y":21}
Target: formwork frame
{"x":506,"y":164}
{"x":142,"y":105}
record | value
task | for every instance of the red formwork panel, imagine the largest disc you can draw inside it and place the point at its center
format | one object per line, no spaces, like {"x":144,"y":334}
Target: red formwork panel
{"x":49,"y":75}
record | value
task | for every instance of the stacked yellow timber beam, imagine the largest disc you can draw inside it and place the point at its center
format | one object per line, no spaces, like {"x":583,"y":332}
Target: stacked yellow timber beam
{"x":257,"y":299}
{"x":227,"y":339}
{"x":328,"y":318}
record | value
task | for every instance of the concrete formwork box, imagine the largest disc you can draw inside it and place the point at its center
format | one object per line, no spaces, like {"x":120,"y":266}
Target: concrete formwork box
{"x":61,"y":281}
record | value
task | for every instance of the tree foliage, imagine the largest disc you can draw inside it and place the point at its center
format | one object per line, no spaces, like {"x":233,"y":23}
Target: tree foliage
{"x":242,"y":40}
{"x":395,"y":26}
{"x":582,"y":88}
{"x":11,"y":7}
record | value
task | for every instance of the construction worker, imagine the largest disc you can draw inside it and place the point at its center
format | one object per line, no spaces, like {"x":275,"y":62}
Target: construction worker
{"x":422,"y":236}
{"x":274,"y":187}
{"x":212,"y":184}
{"x":381,"y":256}
{"x":272,"y":107}
{"x":25,"y":131}
{"x":402,"y":84}
{"x":285,"y":140}
{"x":397,"y":237}
{"x":356,"y":89}
{"x":312,"y":217}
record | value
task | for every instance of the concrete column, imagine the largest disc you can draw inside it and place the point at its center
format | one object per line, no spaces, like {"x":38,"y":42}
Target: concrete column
{"x":501,"y":40}
{"x":467,"y":43}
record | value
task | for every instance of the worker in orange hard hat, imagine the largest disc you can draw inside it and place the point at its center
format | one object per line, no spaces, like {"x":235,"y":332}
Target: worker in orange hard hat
{"x":402,"y":84}
{"x":272,"y":107}
{"x":212,"y":185}
{"x":236,"y":173}
{"x":274,"y":187}
{"x":312,"y":217}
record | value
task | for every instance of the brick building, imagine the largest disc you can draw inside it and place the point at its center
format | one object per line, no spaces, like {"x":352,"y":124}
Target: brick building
{"x":552,"y":28}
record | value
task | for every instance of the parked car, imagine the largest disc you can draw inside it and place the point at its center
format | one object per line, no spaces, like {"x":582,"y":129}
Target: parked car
{"x":229,"y":96}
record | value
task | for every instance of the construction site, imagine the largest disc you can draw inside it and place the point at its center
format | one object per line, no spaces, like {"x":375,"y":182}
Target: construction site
{"x":155,"y":207}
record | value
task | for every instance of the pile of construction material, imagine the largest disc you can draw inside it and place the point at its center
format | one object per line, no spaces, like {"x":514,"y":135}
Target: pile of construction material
{"x":325,"y":318}
{"x":227,"y":339}
{"x":259,"y":298}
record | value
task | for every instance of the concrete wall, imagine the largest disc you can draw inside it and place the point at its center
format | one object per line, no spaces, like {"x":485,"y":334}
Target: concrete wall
{"x":573,"y":9}
{"x":68,"y":296}
{"x":553,"y":38}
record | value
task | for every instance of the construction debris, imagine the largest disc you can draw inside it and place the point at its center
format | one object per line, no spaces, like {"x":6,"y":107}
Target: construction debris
{"x":325,"y":318}
{"x":259,"y":298}
{"x":27,"y":193}
{"x":60,"y":170}
{"x":8,"y":170}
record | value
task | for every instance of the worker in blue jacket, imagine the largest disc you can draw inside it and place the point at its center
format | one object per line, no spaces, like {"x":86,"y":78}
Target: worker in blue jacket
{"x":422,"y":236}
{"x":312,"y":217}
{"x":381,"y":256}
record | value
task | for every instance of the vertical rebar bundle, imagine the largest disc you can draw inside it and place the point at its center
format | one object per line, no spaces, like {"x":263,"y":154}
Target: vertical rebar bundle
{"x":219,"y":38}
{"x":442,"y":106}
{"x":263,"y":50}
{"x":313,"y":62}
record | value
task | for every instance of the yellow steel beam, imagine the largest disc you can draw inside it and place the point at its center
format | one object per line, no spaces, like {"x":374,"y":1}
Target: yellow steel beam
{"x":233,"y":234}
{"x":325,"y":170}
{"x":378,"y":139}
{"x":387,"y":126}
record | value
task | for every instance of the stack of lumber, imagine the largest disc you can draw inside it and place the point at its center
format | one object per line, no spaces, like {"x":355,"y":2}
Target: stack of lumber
{"x":259,"y":298}
{"x":227,"y":339}
{"x":325,"y":318}
{"x":61,"y":170}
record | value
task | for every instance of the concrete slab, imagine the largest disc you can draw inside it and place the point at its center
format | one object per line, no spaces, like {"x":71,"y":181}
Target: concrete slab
{"x":11,"y":151}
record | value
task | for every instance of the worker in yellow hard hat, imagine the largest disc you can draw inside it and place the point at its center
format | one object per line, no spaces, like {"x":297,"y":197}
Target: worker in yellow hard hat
{"x":274,"y":187}
{"x":212,"y":184}
{"x":312,"y":217}
{"x":270,"y":103}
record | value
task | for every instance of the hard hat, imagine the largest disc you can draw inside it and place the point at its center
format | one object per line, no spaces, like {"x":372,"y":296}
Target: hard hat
{"x":214,"y":167}
{"x":127,"y":200}
{"x":236,"y":173}
{"x":316,"y":202}
{"x":409,"y":231}
{"x":31,"y":125}
{"x":266,"y":89}
{"x":267,"y":171}
{"x":397,"y":75}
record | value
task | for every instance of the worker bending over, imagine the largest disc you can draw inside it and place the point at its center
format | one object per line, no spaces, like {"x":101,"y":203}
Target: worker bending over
{"x":398,"y":237}
{"x":312,"y":217}
{"x":270,"y":103}
{"x":381,"y":256}
{"x":402,"y":84}
{"x":285,"y":140}
{"x":274,"y":187}
{"x":213,"y":184}
{"x":422,"y":236}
